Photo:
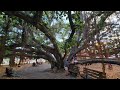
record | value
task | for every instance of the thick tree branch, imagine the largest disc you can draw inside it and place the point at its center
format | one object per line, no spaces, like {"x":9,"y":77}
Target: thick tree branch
{"x":71,"y":25}
{"x":89,"y":61}
{"x":90,"y":36}
{"x":72,"y":32}
{"x":39,"y":25}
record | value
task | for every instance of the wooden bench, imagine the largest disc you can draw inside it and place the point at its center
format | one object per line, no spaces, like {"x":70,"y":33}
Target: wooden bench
{"x":73,"y":70}
{"x":92,"y":74}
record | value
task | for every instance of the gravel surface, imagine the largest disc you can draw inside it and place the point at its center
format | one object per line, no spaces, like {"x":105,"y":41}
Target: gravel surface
{"x":44,"y":72}
{"x":41,"y":72}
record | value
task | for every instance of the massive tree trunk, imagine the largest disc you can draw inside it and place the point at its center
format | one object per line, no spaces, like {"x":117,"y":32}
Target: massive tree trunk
{"x":2,"y":48}
{"x":4,"y":38}
{"x":1,"y":59}
{"x":12,"y":61}
{"x":46,"y":31}
{"x":55,"y":54}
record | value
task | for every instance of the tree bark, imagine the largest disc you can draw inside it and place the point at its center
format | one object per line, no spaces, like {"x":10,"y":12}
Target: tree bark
{"x":1,"y":60}
{"x":110,"y":61}
{"x":12,"y":61}
{"x":39,"y":25}
{"x":91,"y":35}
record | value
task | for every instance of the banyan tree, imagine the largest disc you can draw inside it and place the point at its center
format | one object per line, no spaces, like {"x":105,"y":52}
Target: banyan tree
{"x":53,"y":35}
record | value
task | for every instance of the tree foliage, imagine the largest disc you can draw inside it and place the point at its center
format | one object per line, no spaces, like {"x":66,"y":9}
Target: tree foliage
{"x":52,"y":34}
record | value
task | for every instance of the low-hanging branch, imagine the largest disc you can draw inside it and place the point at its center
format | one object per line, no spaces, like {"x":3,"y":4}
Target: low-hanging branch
{"x":39,"y":25}
{"x":45,"y":47}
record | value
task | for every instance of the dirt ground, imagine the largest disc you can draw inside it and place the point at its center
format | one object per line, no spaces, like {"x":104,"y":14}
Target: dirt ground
{"x":40,"y":72}
{"x":111,"y":74}
{"x":15,"y":69}
{"x":43,"y":72}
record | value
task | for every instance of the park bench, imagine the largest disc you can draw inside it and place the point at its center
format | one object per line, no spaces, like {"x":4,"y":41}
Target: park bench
{"x":73,"y":70}
{"x":92,"y":74}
